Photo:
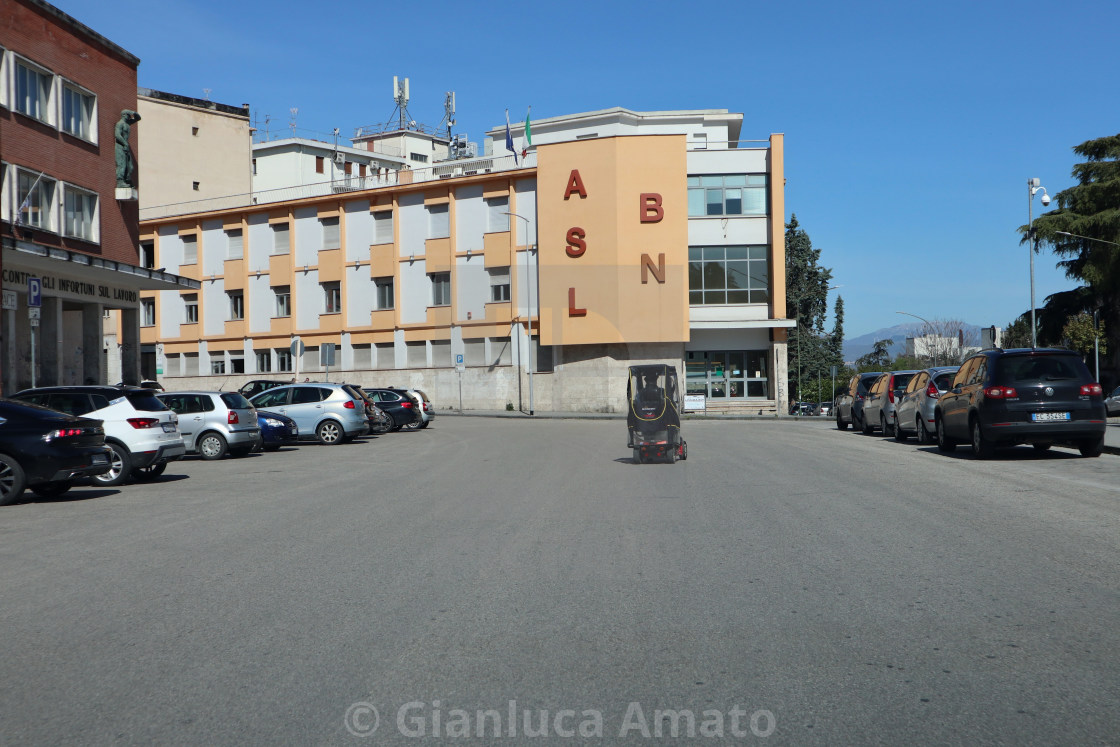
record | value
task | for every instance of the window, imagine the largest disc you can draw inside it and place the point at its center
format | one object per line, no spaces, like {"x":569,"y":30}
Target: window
{"x":237,"y":364}
{"x":217,"y":367}
{"x":318,"y":164}
{"x":254,"y":167}
{"x":283,"y":300}
{"x":727,"y":275}
{"x":418,"y":157}
{"x":195,"y":186}
{"x":497,"y":210}
{"x":283,"y":359}
{"x":147,"y":254}
{"x":190,"y":249}
{"x":384,"y":288}
{"x":264,"y":361}
{"x":730,"y":194}
{"x":235,"y":244}
{"x":190,"y":301}
{"x":147,"y":312}
{"x":383,"y":227}
{"x":36,"y":200}
{"x":194,"y":132}
{"x":499,"y":284}
{"x":330,"y":233}
{"x":33,"y":91}
{"x":332,"y":298}
{"x":79,"y":213}
{"x":361,"y":170}
{"x":77,"y":112}
{"x":438,"y":222}
{"x":348,"y":168}
{"x":441,"y":288}
{"x":281,"y":241}
{"x":236,"y":305}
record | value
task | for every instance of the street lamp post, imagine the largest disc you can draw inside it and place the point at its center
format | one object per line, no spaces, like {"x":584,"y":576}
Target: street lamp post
{"x":935,"y":356}
{"x":1033,"y":187}
{"x":528,"y":304}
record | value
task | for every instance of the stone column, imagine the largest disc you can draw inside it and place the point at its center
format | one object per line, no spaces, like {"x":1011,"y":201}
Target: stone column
{"x":93,"y":340}
{"x":781,"y":377}
{"x":130,"y":346}
{"x":50,"y":342}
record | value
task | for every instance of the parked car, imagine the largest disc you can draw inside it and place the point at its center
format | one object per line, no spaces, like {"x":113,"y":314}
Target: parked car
{"x":848,"y":405}
{"x":914,"y":409}
{"x":142,"y":432}
{"x":1038,"y":396}
{"x":327,"y":412}
{"x":379,"y":421}
{"x":1112,"y":404}
{"x":256,"y":386}
{"x":276,"y":430}
{"x":47,"y":450}
{"x":397,"y":404}
{"x":215,"y":423}
{"x":878,"y":406}
{"x":824,"y":408}
{"x":427,"y":410}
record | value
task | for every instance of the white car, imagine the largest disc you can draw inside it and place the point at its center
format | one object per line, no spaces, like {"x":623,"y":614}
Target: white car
{"x":140,"y":429}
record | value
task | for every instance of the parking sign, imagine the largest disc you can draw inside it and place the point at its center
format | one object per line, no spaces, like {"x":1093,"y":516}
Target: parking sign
{"x":34,"y":292}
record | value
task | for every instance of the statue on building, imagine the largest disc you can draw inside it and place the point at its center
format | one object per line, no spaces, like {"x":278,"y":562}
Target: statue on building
{"x":126,"y":162}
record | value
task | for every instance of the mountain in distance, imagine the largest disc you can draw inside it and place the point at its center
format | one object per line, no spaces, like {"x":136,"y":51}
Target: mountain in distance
{"x":862,"y":345}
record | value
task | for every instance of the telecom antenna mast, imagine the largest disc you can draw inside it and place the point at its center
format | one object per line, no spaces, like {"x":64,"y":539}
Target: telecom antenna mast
{"x":448,"y":112}
{"x":400,"y":98}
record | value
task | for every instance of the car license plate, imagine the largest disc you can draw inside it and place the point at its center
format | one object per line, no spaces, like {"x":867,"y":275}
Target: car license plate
{"x":99,"y":459}
{"x":169,"y":427}
{"x":1046,"y":417}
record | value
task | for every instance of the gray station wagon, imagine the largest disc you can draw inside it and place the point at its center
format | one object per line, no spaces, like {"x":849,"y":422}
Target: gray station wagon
{"x":215,"y":423}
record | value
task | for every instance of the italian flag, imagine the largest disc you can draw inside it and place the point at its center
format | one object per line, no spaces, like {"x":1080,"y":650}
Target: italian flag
{"x":527,"y":137}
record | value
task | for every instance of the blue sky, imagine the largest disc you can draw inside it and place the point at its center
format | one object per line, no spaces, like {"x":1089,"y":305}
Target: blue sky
{"x":911,"y":128}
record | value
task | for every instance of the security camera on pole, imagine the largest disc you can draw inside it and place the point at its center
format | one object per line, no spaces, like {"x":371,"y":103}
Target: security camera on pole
{"x":1033,"y":187}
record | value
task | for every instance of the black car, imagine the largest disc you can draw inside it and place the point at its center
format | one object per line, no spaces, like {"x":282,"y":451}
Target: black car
{"x":1040,"y":396}
{"x":396,"y":403}
{"x":848,"y":405}
{"x":46,"y":450}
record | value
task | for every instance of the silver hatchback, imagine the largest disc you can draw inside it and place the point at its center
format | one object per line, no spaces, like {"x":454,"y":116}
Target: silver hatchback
{"x":323,"y":411}
{"x":914,"y":409}
{"x":215,"y":423}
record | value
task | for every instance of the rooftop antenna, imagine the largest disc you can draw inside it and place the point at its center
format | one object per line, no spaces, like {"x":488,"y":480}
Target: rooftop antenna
{"x":448,"y":112}
{"x":400,"y":98}
{"x":294,"y":110}
{"x":206,"y":94}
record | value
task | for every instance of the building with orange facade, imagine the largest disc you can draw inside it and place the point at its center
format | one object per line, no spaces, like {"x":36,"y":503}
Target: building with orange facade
{"x":618,"y":238}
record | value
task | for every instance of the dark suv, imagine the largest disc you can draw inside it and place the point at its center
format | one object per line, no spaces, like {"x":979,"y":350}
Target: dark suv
{"x":1038,"y":396}
{"x":849,"y":402}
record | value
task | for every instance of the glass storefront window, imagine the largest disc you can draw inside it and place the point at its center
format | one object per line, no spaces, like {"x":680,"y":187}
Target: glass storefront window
{"x":733,"y":374}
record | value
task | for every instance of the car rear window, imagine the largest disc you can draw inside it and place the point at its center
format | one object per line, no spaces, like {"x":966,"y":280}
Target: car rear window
{"x":865,"y":382}
{"x":945,"y":381}
{"x":235,"y":401}
{"x":1027,"y":369}
{"x":145,"y":401}
{"x":901,"y":380}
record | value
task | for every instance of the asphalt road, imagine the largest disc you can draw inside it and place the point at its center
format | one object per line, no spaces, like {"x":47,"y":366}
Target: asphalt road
{"x":788,"y":580}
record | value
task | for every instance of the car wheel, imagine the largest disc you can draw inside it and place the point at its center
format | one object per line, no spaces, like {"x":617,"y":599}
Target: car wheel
{"x":12,"y":480}
{"x":944,"y":443}
{"x":899,"y":434}
{"x":415,"y":425}
{"x":923,"y":433}
{"x":1091,"y":447}
{"x":981,"y":446}
{"x":684,"y":450}
{"x":1041,"y":447}
{"x":864,"y":426}
{"x":884,"y":426}
{"x":212,"y":446}
{"x":840,"y":424}
{"x":329,"y":433}
{"x":151,"y":472}
{"x":52,"y":489}
{"x":120,"y":467}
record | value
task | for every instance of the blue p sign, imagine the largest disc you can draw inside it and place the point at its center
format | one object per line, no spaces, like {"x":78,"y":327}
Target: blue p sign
{"x":34,"y":292}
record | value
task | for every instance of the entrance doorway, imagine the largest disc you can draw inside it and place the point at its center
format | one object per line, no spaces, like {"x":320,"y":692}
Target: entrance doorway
{"x":728,"y":374}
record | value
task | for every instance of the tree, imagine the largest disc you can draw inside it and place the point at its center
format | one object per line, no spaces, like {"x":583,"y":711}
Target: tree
{"x":1080,"y":334}
{"x":1018,"y":333}
{"x":809,"y":349}
{"x":878,"y":359}
{"x":1090,"y":209}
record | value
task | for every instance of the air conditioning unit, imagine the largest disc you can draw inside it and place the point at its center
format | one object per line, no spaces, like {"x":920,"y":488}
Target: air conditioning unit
{"x":339,"y":157}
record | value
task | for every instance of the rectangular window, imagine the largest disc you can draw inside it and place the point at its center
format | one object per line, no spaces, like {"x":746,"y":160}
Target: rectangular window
{"x":728,"y":275}
{"x":217,"y":367}
{"x":383,"y":227}
{"x":420,"y":157}
{"x":727,"y":194}
{"x":236,"y":305}
{"x":441,"y":288}
{"x":36,"y":201}
{"x":33,"y":91}
{"x":235,"y":244}
{"x":77,"y":112}
{"x":499,"y":284}
{"x":348,"y":168}
{"x":283,"y":359}
{"x":281,"y":239}
{"x":332,"y":298}
{"x":385,"y":298}
{"x":190,"y":308}
{"x":283,"y":300}
{"x":190,"y":249}
{"x":361,"y":170}
{"x":497,"y":211}
{"x":264,"y":361}
{"x":318,"y":164}
{"x":148,"y":254}
{"x":330,"y":233}
{"x":237,"y":364}
{"x":147,"y":312}
{"x":439,"y":226}
{"x":79,"y":213}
